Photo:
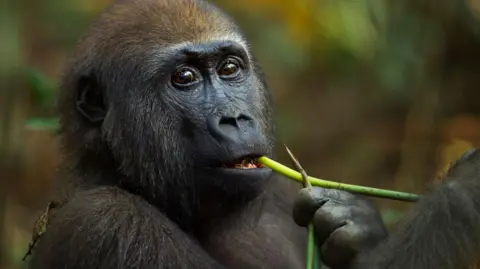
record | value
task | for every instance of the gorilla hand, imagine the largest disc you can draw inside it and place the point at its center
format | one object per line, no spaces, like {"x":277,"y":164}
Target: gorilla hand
{"x":345,"y":224}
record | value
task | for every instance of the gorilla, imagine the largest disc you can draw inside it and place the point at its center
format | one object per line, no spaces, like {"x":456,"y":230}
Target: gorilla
{"x":164,"y":111}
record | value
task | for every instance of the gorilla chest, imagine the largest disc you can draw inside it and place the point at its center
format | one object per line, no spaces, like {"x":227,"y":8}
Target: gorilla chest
{"x":270,"y":244}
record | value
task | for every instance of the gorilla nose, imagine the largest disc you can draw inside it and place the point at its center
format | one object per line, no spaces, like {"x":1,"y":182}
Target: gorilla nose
{"x":231,"y":127}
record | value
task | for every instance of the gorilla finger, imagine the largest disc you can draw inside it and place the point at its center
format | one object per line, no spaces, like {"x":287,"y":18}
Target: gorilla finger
{"x":310,"y":199}
{"x":340,"y":196}
{"x":342,"y":245}
{"x":305,"y":205}
{"x":328,"y":218}
{"x":359,"y":205}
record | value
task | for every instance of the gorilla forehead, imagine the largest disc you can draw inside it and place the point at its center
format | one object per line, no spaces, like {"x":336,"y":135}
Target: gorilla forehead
{"x":133,"y":32}
{"x":164,"y":22}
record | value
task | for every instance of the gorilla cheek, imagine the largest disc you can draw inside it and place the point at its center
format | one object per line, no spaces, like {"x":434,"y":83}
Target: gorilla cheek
{"x":187,"y":129}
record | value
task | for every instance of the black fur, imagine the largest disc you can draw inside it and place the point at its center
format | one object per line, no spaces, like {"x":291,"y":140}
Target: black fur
{"x":442,"y":231}
{"x":140,"y":182}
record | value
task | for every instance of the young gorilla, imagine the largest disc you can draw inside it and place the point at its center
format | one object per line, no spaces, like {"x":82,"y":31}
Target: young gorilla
{"x":163,"y":109}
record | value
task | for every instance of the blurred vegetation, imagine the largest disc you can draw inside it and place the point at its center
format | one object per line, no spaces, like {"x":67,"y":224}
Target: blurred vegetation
{"x":372,"y":92}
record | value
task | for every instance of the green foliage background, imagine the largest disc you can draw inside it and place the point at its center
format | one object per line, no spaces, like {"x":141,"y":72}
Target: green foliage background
{"x":371,"y":92}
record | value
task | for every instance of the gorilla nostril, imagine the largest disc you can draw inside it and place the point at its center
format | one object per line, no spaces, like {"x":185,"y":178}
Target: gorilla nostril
{"x":228,"y":121}
{"x":243,"y":117}
{"x":234,"y":120}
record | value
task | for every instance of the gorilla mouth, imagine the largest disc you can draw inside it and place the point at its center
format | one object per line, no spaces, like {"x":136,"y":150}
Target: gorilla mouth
{"x":246,"y":162}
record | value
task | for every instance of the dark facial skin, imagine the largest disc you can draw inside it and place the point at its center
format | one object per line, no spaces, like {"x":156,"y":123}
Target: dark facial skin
{"x":216,"y":92}
{"x":159,"y":101}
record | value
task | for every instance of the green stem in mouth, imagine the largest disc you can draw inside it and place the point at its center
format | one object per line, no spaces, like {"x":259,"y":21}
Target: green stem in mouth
{"x":375,"y":192}
{"x":52,"y":124}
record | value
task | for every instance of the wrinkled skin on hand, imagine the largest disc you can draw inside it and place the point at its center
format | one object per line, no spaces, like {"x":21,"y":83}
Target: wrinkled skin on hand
{"x":345,"y":224}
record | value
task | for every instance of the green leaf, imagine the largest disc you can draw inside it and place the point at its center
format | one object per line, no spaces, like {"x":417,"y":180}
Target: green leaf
{"x":42,"y":124}
{"x":42,"y":87}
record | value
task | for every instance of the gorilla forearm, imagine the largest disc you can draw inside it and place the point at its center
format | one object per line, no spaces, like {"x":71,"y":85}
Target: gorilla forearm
{"x":109,"y":228}
{"x":443,"y":231}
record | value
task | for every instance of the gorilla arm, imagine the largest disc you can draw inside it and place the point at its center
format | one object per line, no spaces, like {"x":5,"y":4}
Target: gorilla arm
{"x":442,"y":231}
{"x":106,"y":227}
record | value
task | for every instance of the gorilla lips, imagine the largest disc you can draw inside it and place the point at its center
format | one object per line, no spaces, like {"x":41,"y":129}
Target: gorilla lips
{"x":245,"y":163}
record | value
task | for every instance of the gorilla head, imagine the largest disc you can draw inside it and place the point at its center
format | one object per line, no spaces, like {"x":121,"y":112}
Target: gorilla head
{"x":175,"y":114}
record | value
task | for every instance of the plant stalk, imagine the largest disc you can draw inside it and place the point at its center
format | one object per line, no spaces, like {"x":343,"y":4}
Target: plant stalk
{"x":311,"y":242}
{"x":368,"y":191}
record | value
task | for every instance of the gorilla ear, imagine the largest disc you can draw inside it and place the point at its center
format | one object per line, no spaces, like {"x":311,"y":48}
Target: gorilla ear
{"x":89,"y":100}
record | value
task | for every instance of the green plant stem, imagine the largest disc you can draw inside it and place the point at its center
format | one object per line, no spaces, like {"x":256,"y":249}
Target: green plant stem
{"x":310,"y":259}
{"x":310,"y":246}
{"x":375,"y":192}
{"x":52,"y":124}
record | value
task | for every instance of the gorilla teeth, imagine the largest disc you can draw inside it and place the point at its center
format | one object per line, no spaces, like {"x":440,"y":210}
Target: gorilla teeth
{"x":249,"y":164}
{"x":246,"y":163}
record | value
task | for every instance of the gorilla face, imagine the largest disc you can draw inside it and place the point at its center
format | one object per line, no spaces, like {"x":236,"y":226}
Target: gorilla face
{"x":224,"y":121}
{"x":212,"y":113}
{"x":181,"y":121}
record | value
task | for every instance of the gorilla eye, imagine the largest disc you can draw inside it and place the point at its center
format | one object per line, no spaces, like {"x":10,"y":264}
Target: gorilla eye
{"x":184,"y":77}
{"x":229,"y":68}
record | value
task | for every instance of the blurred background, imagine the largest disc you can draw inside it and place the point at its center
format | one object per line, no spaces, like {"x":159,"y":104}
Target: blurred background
{"x":382,"y":93}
